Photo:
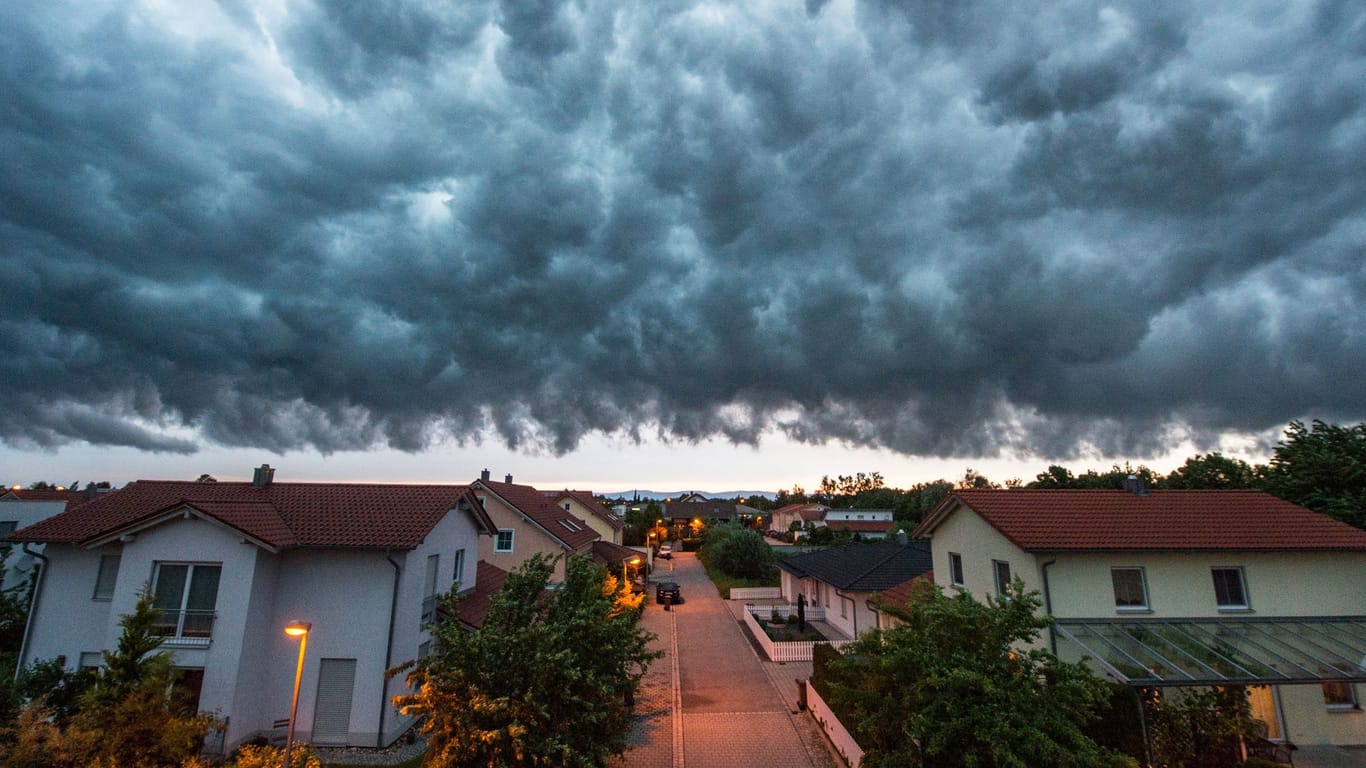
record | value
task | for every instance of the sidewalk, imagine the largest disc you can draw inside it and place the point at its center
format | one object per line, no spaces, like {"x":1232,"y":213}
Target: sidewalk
{"x":711,"y":701}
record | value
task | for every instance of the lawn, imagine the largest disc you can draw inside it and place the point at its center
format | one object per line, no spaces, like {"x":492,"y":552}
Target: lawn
{"x":725,"y":582}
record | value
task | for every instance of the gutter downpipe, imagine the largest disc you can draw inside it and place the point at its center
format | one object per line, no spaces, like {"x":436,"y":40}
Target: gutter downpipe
{"x":388,"y":650}
{"x":1048,"y":607}
{"x":32,"y":604}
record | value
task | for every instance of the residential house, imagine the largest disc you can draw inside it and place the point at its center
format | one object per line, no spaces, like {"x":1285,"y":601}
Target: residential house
{"x":866,"y":523}
{"x":229,"y":564}
{"x":1181,"y":588}
{"x":782,"y":518}
{"x":584,"y":506}
{"x":682,"y":513}
{"x":22,"y":507}
{"x":528,"y":522}
{"x":842,"y":580}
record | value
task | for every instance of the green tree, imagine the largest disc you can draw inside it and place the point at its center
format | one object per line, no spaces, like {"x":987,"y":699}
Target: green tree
{"x":544,"y":682}
{"x":1322,"y":468}
{"x":131,"y":713}
{"x":963,"y":683}
{"x":739,"y":552}
{"x":1212,"y":471}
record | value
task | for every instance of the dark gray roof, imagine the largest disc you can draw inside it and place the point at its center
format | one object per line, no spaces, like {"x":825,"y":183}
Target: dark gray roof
{"x":863,"y":567}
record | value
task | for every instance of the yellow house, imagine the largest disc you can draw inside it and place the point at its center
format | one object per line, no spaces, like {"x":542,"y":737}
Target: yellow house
{"x":583,"y":505}
{"x":528,"y":522}
{"x":1181,"y":588}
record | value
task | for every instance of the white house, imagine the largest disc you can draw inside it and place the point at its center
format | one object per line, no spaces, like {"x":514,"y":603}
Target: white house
{"x":231,"y":563}
{"x":22,"y":507}
{"x":1181,"y":588}
{"x":842,"y":580}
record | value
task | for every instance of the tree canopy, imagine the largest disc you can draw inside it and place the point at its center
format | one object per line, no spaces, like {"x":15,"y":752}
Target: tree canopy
{"x":1322,"y":467}
{"x":963,"y":683}
{"x":544,"y":681}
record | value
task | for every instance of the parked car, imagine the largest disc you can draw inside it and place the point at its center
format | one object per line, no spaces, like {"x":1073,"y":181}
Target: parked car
{"x":668,"y":592}
{"x":666,"y":551}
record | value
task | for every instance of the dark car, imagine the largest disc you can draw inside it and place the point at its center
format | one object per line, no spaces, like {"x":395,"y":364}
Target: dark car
{"x":668,"y":592}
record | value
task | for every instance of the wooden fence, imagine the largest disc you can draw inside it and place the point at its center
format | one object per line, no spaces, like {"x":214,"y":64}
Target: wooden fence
{"x":785,"y":651}
{"x":756,"y":593}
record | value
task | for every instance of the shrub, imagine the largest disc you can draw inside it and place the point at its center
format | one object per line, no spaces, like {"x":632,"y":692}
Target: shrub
{"x":266,"y":756}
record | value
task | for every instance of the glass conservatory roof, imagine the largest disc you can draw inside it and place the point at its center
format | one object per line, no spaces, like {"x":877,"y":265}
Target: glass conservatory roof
{"x":1222,"y":651}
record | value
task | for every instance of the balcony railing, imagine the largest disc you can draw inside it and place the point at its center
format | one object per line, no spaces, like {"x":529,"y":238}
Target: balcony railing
{"x":192,"y":629}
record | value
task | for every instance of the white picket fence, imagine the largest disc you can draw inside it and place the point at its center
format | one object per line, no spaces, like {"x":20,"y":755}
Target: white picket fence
{"x":777,"y":651}
{"x":839,"y":736}
{"x":756,"y":593}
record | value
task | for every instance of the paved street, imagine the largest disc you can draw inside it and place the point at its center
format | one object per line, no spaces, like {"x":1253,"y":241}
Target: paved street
{"x":711,"y":701}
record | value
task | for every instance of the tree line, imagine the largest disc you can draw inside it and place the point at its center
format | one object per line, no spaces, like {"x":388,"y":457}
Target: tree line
{"x":1320,"y":466}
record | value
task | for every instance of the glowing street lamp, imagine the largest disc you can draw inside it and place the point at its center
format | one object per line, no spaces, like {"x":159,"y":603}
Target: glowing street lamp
{"x":300,"y":630}
{"x":635,"y":561}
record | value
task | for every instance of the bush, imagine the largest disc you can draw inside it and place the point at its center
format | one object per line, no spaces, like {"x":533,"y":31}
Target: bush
{"x":738,"y":552}
{"x":1260,"y":762}
{"x":266,"y":756}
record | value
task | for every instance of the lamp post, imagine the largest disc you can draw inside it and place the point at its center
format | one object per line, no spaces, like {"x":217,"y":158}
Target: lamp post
{"x":300,"y":630}
{"x":633,"y":561}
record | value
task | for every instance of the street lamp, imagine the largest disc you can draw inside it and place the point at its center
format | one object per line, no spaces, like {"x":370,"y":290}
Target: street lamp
{"x":300,"y":630}
{"x":633,"y":561}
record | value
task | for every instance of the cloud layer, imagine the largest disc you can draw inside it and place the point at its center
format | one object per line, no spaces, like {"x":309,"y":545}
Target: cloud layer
{"x":949,"y":229}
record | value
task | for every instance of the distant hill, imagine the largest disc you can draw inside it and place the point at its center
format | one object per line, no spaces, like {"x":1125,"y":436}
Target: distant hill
{"x":662,"y":495}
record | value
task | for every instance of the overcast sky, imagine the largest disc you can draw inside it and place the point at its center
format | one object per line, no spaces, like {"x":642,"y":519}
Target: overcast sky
{"x":382,"y":240}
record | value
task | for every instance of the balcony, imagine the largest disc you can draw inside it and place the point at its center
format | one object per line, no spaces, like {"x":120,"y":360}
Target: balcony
{"x":184,"y":629}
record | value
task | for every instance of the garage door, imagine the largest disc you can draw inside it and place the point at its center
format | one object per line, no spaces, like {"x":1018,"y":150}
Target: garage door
{"x":332,"y":716}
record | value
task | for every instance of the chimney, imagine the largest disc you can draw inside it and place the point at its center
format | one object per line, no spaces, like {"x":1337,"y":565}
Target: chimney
{"x":508,"y":479}
{"x":1135,"y":486}
{"x":901,"y":537}
{"x":484,"y":475}
{"x":262,"y":476}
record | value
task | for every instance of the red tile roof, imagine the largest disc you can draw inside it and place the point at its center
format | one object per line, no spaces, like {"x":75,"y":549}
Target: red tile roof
{"x":609,"y":554}
{"x":279,"y":514}
{"x":900,"y":595}
{"x":474,"y":605}
{"x":1056,"y":520}
{"x":72,"y":498}
{"x":588,"y":500}
{"x":568,"y":529}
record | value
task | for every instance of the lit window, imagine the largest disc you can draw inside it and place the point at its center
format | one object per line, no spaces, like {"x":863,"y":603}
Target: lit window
{"x":503,"y":543}
{"x":956,"y":569}
{"x":1340,"y":695}
{"x":1001,"y":569}
{"x":1230,"y":593}
{"x":1131,"y":593}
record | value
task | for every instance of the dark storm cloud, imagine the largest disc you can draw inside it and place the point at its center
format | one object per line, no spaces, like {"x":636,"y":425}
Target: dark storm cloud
{"x":944,"y":228}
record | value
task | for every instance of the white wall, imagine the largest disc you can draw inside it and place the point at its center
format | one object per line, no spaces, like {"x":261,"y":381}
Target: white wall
{"x":66,"y":619}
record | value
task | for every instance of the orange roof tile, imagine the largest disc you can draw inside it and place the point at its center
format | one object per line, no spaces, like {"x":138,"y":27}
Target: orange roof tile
{"x":1051,"y":520}
{"x":279,"y":514}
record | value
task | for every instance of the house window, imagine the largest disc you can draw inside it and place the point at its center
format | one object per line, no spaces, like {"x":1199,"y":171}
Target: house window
{"x":1229,"y":590}
{"x":459,"y":575}
{"x":107,"y":575}
{"x":185,"y":594}
{"x":1340,"y":695}
{"x":8,"y":526}
{"x":503,"y":543}
{"x":429,"y":591}
{"x":1131,"y":590}
{"x":1001,"y":570}
{"x":91,"y":660}
{"x":956,"y":569}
